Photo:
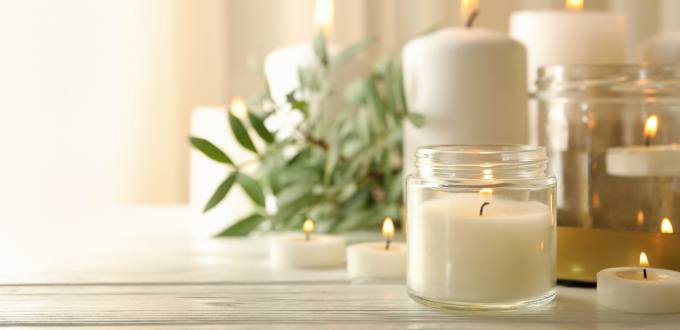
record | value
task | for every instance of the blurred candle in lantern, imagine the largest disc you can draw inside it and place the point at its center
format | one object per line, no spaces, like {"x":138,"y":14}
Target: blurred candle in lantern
{"x":378,"y":259}
{"x":666,"y":226}
{"x":645,"y":160}
{"x":307,"y":250}
{"x":282,"y":65}
{"x":570,"y":36}
{"x":469,"y":83}
{"x":639,"y":289}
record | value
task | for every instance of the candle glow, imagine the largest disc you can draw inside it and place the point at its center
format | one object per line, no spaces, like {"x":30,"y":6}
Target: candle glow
{"x":324,"y":12}
{"x":238,"y":107}
{"x":651,"y":126}
{"x":467,"y":7}
{"x":666,"y":226}
{"x":308,"y":228}
{"x":573,"y":5}
{"x":644,"y":262}
{"x":388,"y":228}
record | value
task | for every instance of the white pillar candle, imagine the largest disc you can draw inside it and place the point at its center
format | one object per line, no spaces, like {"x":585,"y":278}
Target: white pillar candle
{"x":569,"y":37}
{"x":639,"y":289}
{"x":210,"y":123}
{"x":470,"y":84}
{"x":378,"y":259}
{"x":662,"y":49}
{"x":307,"y":250}
{"x":644,"y":160}
{"x":504,"y":255}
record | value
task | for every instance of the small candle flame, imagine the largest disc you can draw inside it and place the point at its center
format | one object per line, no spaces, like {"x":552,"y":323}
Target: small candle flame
{"x":640,"y":217}
{"x":651,"y":126}
{"x":238,"y":107}
{"x":666,"y":226}
{"x":308,"y":226}
{"x":467,"y":7}
{"x":324,"y":12}
{"x":644,"y":262}
{"x":486,"y":193}
{"x":573,"y":5}
{"x":388,"y":228}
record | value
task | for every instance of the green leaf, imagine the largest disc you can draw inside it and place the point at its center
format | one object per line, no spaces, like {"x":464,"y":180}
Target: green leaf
{"x":252,"y":188}
{"x":356,"y":91}
{"x":243,"y":226}
{"x":416,"y":119}
{"x":220,"y":192}
{"x":210,"y":150}
{"x":351,"y":52}
{"x":320,"y":49}
{"x":240,"y":133}
{"x":259,"y":127}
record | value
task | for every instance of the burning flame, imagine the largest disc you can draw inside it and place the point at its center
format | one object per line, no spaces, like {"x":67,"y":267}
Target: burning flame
{"x":644,"y":262}
{"x":666,"y":226}
{"x":238,"y":107}
{"x":388,"y":228}
{"x":324,"y":12}
{"x":467,"y":7}
{"x":308,"y":226}
{"x":640,"y":217}
{"x":574,"y":5}
{"x":651,"y":126}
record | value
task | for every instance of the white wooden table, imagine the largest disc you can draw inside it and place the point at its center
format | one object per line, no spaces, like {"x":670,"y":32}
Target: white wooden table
{"x":173,"y":281}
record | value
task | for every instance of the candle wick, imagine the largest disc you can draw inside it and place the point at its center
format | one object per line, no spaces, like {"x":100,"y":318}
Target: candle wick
{"x":307,"y":236}
{"x":648,"y":141}
{"x":471,"y":19}
{"x":644,"y":273}
{"x":387,"y":244}
{"x":481,"y":209}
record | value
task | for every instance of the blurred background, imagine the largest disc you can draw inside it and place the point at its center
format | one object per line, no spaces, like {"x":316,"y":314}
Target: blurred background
{"x":96,"y":96}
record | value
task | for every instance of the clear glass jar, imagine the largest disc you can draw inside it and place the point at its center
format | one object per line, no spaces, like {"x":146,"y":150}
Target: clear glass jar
{"x":618,"y":182}
{"x":481,"y":227}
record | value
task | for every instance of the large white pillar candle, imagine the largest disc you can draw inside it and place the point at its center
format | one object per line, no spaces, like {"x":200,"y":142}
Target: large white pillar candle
{"x":569,"y":37}
{"x":470,"y":84}
{"x":662,"y":49}
{"x":307,"y":250}
{"x":504,"y":255}
{"x":378,"y":259}
{"x":639,"y":289}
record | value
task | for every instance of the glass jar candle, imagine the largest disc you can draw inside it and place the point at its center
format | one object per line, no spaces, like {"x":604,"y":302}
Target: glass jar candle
{"x":481,"y":227}
{"x":613,"y":139}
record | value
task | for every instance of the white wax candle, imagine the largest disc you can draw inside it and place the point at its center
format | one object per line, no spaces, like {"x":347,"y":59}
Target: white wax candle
{"x":282,"y":66}
{"x":626,"y":289}
{"x":569,"y":37}
{"x":372,"y":260}
{"x":504,"y":256}
{"x":644,"y":161}
{"x":470,"y":84}
{"x":662,"y":49}
{"x":295,"y":251}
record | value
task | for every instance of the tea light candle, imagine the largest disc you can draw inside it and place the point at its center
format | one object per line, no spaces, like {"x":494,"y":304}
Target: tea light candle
{"x":308,"y":250}
{"x":647,"y":160}
{"x":476,"y":248}
{"x":378,"y":259}
{"x":639,"y":289}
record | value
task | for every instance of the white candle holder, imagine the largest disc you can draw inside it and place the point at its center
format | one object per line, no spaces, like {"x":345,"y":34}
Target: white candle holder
{"x":613,"y":136}
{"x":481,"y":227}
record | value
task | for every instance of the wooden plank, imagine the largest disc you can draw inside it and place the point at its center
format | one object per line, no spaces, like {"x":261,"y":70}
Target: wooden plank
{"x":309,"y":304}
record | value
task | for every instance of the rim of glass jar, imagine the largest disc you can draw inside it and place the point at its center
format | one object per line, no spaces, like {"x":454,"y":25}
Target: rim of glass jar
{"x":606,"y":80}
{"x":482,"y":161}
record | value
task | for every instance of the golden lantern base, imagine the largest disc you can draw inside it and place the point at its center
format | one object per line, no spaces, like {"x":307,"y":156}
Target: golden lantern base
{"x":582,"y":252}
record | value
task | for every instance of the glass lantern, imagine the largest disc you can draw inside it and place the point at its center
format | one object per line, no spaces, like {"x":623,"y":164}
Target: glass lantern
{"x":612,"y":134}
